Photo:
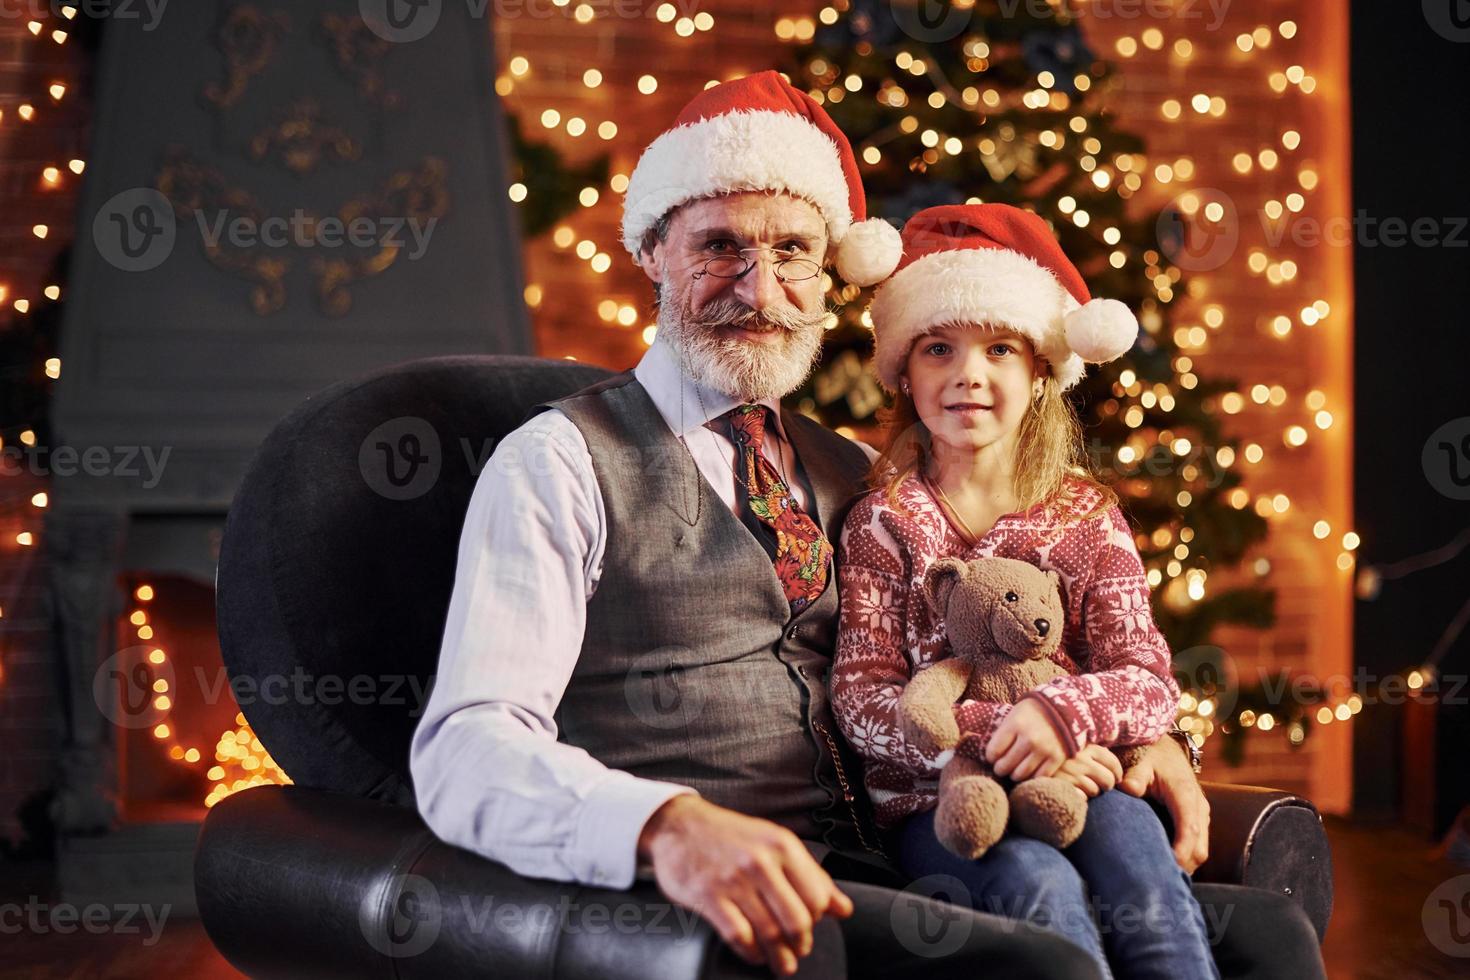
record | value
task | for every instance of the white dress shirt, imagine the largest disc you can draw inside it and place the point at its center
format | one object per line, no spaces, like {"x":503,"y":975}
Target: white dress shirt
{"x":488,"y":772}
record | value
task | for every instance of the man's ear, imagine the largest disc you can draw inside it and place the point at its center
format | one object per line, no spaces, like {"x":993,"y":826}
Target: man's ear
{"x":651,"y":262}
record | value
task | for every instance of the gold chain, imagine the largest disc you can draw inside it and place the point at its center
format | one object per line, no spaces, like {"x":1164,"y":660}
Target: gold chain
{"x":847,"y":793}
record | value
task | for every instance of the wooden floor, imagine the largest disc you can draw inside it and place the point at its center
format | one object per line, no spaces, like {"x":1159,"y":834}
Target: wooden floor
{"x":1383,"y":877}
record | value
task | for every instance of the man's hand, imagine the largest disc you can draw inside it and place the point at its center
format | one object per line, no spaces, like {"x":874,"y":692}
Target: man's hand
{"x":1094,"y":770}
{"x":1026,"y":743}
{"x":752,"y":879}
{"x":1164,"y":773}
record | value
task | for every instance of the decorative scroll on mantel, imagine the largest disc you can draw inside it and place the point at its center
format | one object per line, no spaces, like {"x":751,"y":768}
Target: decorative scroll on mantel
{"x":362,"y":238}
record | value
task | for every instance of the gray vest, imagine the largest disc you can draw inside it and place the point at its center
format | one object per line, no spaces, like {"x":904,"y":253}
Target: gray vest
{"x":693,"y":669}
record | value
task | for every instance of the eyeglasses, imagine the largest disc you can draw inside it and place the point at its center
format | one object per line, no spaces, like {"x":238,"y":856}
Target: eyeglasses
{"x":732,"y":266}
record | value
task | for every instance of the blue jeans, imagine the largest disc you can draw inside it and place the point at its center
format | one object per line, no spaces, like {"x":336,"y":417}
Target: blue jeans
{"x":1116,"y":892}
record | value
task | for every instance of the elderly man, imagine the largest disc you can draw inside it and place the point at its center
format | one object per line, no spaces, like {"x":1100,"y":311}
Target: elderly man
{"x":668,"y":532}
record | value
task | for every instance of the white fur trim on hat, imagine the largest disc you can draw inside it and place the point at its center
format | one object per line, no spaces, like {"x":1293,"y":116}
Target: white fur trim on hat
{"x":985,"y":285}
{"x":756,"y":150}
{"x":1101,"y":330}
{"x":869,"y":252}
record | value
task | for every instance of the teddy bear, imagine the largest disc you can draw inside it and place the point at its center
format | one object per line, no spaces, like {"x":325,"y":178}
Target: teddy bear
{"x":1004,"y":619}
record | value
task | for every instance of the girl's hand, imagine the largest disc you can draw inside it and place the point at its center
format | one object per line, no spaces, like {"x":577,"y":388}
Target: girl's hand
{"x":1094,"y":770}
{"x":1026,"y":743}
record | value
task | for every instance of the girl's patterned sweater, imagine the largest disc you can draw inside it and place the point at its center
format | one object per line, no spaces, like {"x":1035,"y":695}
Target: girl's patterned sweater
{"x":1119,"y":690}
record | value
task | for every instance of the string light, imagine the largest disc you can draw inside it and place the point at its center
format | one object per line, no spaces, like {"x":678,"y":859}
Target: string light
{"x":241,"y":761}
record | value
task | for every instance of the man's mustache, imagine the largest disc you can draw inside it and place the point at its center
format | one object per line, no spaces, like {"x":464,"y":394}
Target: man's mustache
{"x":733,"y":313}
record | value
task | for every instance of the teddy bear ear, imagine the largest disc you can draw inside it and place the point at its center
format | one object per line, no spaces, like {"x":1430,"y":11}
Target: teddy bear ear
{"x":939,"y":582}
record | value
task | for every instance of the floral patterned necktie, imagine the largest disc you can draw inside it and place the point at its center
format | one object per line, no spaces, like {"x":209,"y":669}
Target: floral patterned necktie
{"x":803,"y":555}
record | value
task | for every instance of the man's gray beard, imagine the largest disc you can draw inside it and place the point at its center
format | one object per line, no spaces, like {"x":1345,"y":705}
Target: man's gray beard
{"x":743,"y":369}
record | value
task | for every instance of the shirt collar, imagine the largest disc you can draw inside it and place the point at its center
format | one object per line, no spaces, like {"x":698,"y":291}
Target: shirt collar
{"x":669,"y":387}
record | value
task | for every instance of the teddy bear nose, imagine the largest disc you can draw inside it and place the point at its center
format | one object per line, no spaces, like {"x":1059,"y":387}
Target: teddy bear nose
{"x":1043,"y":627}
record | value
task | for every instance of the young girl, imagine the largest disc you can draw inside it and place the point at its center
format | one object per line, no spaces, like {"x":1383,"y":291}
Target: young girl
{"x":978,"y":334}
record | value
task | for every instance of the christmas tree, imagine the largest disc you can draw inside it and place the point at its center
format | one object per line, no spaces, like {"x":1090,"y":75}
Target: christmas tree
{"x":997,"y":101}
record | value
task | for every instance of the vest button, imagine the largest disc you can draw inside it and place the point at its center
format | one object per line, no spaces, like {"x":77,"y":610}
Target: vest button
{"x":791,"y":634}
{"x":801,"y":669}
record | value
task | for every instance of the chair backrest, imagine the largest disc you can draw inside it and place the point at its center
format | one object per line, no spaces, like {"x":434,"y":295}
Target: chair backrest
{"x":339,"y":552}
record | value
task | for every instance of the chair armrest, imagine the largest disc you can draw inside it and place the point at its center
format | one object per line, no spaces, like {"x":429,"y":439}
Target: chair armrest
{"x":301,"y":882}
{"x":1267,"y":838}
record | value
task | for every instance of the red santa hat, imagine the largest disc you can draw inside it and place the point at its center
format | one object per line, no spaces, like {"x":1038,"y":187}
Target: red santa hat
{"x":998,"y":265}
{"x":758,"y":133}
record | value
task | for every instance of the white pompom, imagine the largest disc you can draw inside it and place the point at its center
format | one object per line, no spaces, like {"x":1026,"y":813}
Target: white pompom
{"x":1101,"y":330}
{"x":869,"y":252}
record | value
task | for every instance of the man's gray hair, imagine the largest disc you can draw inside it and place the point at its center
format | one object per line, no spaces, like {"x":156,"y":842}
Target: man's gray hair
{"x":657,"y":235}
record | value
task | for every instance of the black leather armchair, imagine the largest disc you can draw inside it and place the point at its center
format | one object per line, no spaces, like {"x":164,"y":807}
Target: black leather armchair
{"x":335,"y":574}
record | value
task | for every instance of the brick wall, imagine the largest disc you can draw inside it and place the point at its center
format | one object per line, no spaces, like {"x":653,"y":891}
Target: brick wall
{"x":38,"y":186}
{"x":1313,"y":593}
{"x":30,"y":712}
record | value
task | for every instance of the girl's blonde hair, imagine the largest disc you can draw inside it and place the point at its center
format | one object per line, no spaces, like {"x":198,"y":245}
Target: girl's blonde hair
{"x":1049,"y":450}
